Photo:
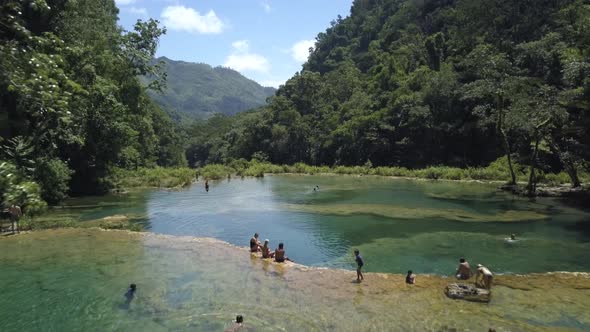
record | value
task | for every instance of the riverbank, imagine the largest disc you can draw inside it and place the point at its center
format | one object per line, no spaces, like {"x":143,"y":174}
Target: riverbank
{"x":191,"y":283}
{"x":128,"y":222}
{"x":495,"y":172}
{"x":159,"y":177}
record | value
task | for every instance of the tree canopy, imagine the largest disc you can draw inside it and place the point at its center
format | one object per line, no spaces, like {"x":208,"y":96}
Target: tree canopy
{"x":433,"y":82}
{"x":71,"y":104}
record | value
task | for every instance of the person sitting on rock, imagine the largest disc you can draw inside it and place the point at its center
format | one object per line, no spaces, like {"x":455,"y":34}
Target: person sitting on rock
{"x":464,"y":270}
{"x":254,"y":243}
{"x":266,"y":253}
{"x":483,"y":278}
{"x":410,"y":278}
{"x":280,"y":256}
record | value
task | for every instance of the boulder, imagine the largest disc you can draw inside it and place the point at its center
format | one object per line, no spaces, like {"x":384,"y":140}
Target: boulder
{"x":467,"y":292}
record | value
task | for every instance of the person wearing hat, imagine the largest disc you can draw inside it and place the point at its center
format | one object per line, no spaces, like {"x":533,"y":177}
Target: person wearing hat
{"x":266,"y":253}
{"x":486,"y":277}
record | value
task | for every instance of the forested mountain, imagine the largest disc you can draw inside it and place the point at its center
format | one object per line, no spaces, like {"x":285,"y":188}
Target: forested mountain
{"x":417,"y":83}
{"x":199,"y":90}
{"x":72,"y":108}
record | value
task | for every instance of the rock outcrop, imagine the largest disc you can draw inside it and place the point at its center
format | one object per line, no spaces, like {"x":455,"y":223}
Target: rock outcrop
{"x":467,"y":292}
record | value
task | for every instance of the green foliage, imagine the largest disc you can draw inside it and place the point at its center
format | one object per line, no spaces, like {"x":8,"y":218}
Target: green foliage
{"x":215,"y":172}
{"x":54,"y":176}
{"x":29,"y":223}
{"x":70,"y":97}
{"x":415,"y":84}
{"x":199,"y":91}
{"x":158,"y":177}
{"x":17,"y":189}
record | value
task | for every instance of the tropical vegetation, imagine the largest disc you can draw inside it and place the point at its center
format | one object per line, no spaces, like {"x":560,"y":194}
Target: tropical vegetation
{"x":415,"y":84}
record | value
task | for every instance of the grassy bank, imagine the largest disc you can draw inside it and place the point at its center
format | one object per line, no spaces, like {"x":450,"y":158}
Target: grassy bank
{"x":126,"y":222}
{"x":496,"y":171}
{"x":158,"y":177}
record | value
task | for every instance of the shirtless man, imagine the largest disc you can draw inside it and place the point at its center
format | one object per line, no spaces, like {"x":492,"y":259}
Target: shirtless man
{"x":280,"y":254}
{"x":254,"y":243}
{"x":483,"y":277}
{"x":464,"y":270}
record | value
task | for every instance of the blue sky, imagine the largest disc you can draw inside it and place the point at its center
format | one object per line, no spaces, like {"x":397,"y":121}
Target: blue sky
{"x":265,"y":40}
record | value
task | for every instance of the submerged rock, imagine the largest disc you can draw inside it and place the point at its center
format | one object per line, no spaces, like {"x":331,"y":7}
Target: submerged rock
{"x":467,"y":292}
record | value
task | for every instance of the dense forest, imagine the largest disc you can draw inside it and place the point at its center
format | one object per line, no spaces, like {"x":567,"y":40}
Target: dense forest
{"x":197,"y":90}
{"x":435,"y":82}
{"x":403,"y":83}
{"x":72,"y":108}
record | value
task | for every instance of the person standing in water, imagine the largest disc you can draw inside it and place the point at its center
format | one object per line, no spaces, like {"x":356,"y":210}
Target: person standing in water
{"x":359,"y":263}
{"x":207,"y":185}
{"x":15,"y":214}
{"x":483,"y":277}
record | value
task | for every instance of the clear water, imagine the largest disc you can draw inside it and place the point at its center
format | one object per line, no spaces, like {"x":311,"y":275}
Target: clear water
{"x":397,"y":224}
{"x":74,"y":280}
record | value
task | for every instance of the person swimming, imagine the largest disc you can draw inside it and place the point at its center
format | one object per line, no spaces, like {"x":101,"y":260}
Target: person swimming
{"x":237,"y":325}
{"x":130,"y":294}
{"x":511,"y":239}
{"x":410,"y":278}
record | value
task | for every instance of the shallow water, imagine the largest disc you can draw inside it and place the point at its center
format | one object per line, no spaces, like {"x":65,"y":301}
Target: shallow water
{"x":397,"y":224}
{"x":74,"y":280}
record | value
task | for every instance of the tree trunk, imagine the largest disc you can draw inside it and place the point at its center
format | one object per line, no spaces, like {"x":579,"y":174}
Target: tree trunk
{"x":568,"y":165}
{"x":532,"y":185}
{"x":505,"y":143}
{"x":507,"y":149}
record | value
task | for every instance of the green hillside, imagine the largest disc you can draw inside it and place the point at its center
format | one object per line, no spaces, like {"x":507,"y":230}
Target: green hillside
{"x":418,"y":83}
{"x":199,"y":90}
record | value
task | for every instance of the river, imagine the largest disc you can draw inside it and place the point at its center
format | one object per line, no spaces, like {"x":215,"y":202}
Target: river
{"x":193,"y":272}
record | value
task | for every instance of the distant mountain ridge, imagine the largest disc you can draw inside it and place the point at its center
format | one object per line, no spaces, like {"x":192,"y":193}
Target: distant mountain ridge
{"x":200,"y":90}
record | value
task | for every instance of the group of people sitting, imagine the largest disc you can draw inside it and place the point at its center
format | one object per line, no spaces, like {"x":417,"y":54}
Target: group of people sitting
{"x":483,"y":276}
{"x":278,"y":255}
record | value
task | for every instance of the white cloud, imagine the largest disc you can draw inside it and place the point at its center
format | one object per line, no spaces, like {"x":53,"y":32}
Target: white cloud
{"x":300,"y":50}
{"x":182,"y":18}
{"x":273,"y":83}
{"x":242,"y":60}
{"x":266,"y":5}
{"x":124,"y":2}
{"x":138,"y":11}
{"x":241,"y":46}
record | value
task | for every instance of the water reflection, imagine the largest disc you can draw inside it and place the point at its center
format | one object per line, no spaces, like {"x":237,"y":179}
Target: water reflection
{"x":405,"y":224}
